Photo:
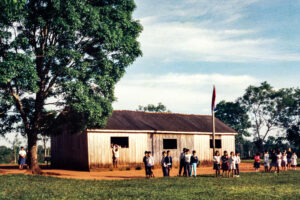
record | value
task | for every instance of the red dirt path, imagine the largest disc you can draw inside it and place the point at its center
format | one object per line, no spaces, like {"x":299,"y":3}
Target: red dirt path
{"x":115,"y":174}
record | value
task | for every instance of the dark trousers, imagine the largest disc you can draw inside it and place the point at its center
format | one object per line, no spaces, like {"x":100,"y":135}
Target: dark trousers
{"x":187,"y":169}
{"x":168,"y":170}
{"x":165,"y":171}
{"x":181,"y":167}
{"x":237,"y":169}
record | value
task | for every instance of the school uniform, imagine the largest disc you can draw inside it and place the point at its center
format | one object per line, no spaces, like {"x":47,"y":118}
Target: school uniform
{"x":164,"y":166}
{"x":187,"y":161}
{"x":278,"y":163}
{"x":266,"y":160}
{"x":217,"y":160}
{"x":181,"y":163}
{"x":232,"y":160}
{"x":194,"y":161}
{"x":169,"y":164}
{"x":237,"y":165}
{"x":289,"y":157}
{"x":284,"y":161}
{"x":224,"y":163}
{"x":150,"y":164}
{"x":294,"y":160}
{"x":273,"y":160}
{"x":22,"y":155}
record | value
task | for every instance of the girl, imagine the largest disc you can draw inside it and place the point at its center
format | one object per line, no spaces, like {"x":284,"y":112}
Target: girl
{"x":294,"y":161}
{"x":224,"y":159}
{"x":237,"y":164}
{"x":278,"y":162}
{"x":194,"y":161}
{"x":266,"y":161}
{"x":284,"y":161}
{"x":232,"y":161}
{"x":216,"y":160}
{"x":257,"y":162}
{"x":22,"y":159}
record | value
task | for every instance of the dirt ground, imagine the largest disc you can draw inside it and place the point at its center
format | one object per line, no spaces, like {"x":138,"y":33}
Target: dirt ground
{"x":112,"y":175}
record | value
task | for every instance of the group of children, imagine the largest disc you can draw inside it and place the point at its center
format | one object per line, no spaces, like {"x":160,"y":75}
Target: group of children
{"x":230,"y":164}
{"x":284,"y":160}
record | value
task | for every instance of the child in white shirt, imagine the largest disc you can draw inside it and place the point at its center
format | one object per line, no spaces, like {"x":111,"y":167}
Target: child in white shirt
{"x":232,"y":161}
{"x":216,"y":160}
{"x":237,"y":164}
{"x":266,"y":161}
{"x":294,"y":161}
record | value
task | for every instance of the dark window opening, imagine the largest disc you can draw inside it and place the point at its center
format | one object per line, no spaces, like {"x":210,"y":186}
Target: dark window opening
{"x":170,"y":143}
{"x":218,"y":143}
{"x":121,"y":141}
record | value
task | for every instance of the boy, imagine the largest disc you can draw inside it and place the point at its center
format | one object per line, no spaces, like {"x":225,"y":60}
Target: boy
{"x":289,"y":157}
{"x":181,"y":161}
{"x":164,"y":164}
{"x":266,"y":161}
{"x":273,"y":160}
{"x":187,"y":161}
{"x":237,"y":164}
{"x":216,"y":160}
{"x":169,"y":162}
{"x":145,"y":163}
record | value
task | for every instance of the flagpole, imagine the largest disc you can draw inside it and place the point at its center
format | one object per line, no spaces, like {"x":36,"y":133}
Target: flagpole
{"x":213,"y":132}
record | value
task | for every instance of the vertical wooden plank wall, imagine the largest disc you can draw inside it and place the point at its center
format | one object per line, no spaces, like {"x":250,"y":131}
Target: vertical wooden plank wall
{"x":202,"y":147}
{"x":228,"y":143}
{"x":100,"y":152}
{"x":69,"y":151}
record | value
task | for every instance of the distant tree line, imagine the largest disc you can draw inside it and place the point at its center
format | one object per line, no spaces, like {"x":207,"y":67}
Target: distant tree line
{"x":260,"y":111}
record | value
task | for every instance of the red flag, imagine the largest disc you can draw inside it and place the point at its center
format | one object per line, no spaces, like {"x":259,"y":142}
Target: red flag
{"x":213,"y":99}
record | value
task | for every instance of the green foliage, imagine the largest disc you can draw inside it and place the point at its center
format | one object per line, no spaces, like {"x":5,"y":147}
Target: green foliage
{"x":234,"y":115}
{"x":248,"y":186}
{"x":153,"y":108}
{"x":6,"y":155}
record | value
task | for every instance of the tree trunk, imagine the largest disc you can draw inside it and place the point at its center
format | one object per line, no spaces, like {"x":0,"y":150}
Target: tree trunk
{"x":32,"y":154}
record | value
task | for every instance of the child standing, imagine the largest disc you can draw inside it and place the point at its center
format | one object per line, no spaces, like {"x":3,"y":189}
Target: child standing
{"x":169,"y":162}
{"x":278,"y":162}
{"x":216,"y":160}
{"x":194,"y":161}
{"x":266,"y":161}
{"x":181,"y":160}
{"x":257,"y":162}
{"x":164,"y":164}
{"x":294,"y":161}
{"x":145,"y":163}
{"x":224,"y":159}
{"x":187,"y":161}
{"x":273,"y":160}
{"x":232,"y":161}
{"x":237,"y":164}
{"x":284,"y":161}
{"x":150,"y":164}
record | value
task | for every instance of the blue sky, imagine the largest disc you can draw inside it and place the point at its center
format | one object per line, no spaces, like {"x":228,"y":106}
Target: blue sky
{"x":188,"y":46}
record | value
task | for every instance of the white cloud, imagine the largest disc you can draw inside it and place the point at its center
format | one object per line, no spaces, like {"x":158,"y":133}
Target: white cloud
{"x":183,"y":93}
{"x":202,"y":31}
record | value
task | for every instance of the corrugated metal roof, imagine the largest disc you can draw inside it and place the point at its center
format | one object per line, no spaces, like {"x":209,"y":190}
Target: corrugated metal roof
{"x":137,"y":120}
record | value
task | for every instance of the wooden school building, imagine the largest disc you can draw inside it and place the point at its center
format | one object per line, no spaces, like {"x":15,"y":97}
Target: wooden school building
{"x":137,"y":132}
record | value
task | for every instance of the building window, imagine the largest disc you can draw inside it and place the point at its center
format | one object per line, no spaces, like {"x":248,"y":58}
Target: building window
{"x":170,"y":143}
{"x":121,"y":141}
{"x":218,"y":143}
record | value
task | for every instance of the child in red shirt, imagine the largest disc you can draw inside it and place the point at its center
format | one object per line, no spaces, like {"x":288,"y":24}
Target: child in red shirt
{"x":257,"y":162}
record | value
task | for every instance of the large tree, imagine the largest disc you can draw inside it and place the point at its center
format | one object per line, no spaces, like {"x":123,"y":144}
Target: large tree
{"x":264,"y":107}
{"x":65,"y":53}
{"x":235,"y":115}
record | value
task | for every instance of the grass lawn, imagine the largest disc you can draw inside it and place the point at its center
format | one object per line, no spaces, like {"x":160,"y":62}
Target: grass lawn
{"x":248,"y":186}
